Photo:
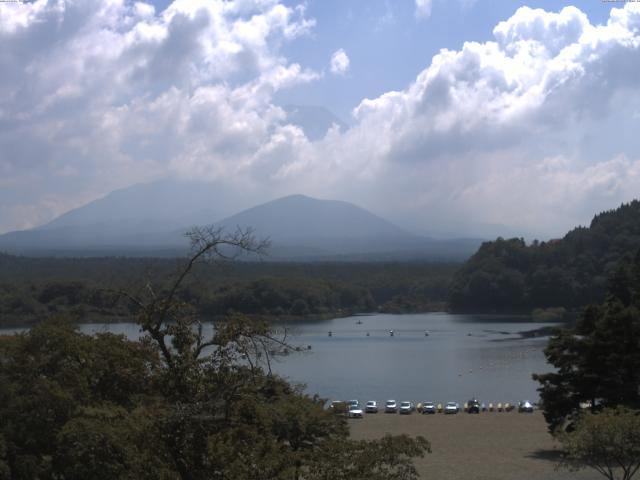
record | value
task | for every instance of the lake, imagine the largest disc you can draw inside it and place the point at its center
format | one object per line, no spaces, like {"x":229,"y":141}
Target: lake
{"x":463,"y":356}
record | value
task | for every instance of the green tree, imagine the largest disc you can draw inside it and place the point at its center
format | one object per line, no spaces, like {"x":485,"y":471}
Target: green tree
{"x":607,"y":441}
{"x":598,"y":361}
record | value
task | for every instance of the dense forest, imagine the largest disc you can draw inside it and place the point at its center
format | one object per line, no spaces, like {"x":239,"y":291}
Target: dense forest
{"x":569,"y":272}
{"x":89,"y":289}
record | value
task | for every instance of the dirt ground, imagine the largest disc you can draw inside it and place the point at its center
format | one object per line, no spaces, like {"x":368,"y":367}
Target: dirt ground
{"x":488,"y":446}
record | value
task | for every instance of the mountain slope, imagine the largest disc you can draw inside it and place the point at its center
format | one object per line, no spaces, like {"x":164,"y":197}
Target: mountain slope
{"x":150,"y":220}
{"x":129,"y":220}
{"x":301,"y":217}
{"x":166,"y":202}
{"x":569,"y":272}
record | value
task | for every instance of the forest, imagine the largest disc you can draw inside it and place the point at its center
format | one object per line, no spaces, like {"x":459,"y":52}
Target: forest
{"x":570,"y":272}
{"x":89,"y":289}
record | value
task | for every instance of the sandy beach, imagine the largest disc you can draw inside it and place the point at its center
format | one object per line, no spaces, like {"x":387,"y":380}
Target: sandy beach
{"x":488,"y":446}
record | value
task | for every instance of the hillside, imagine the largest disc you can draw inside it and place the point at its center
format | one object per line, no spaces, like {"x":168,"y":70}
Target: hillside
{"x":299,"y":217}
{"x":150,"y":220}
{"x":305,"y":228}
{"x":568,"y":272}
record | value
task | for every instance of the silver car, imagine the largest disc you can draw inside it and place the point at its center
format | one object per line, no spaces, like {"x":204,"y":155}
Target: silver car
{"x":428,"y":407}
{"x":371,"y":407}
{"x":451,"y":407}
{"x":406,"y":408}
{"x":391,"y":406}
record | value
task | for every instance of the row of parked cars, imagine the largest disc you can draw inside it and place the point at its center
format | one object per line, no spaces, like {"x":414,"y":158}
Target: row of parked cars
{"x":353,"y":408}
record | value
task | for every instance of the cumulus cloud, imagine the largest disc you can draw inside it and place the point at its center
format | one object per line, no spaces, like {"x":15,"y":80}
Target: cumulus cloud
{"x":97,"y":95}
{"x":536,"y":128}
{"x":423,"y":8}
{"x":339,"y":62}
{"x":500,"y":131}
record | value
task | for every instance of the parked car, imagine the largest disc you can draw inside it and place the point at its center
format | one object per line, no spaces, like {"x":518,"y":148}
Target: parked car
{"x":428,"y":407}
{"x":451,"y":407}
{"x":473,"y":406}
{"x":391,"y":406}
{"x":525,"y":406}
{"x":355,"y":411}
{"x":371,"y":407}
{"x":406,"y":408}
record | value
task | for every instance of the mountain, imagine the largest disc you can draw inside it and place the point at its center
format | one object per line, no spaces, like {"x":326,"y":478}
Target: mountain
{"x":298,"y":217}
{"x":305,"y":228}
{"x":150,"y":220}
{"x":569,"y":272}
{"x":166,"y":203}
{"x":314,"y":121}
{"x":141,"y":219}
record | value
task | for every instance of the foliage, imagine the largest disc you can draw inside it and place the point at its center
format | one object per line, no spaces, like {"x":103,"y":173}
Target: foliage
{"x":598,"y":361}
{"x":180,"y":403}
{"x":32,"y":289}
{"x":570,"y":272}
{"x":607,"y":441}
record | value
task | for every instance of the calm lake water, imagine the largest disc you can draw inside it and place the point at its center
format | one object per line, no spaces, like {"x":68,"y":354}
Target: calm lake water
{"x":463,"y":356}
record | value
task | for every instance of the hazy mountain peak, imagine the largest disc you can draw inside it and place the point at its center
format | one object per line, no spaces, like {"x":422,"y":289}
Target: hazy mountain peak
{"x":300,"y":216}
{"x":315,"y":121}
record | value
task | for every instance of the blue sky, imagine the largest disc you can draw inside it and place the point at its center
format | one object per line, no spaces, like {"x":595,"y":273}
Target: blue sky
{"x":388,"y":46}
{"x":528,"y":119}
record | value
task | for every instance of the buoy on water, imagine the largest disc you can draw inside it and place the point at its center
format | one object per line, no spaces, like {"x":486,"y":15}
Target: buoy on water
{"x":330,"y":333}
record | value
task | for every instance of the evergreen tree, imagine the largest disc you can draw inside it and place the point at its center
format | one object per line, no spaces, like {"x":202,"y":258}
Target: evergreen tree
{"x":597,"y":361}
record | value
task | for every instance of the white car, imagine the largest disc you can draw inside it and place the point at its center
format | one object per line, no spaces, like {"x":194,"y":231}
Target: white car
{"x":355,"y":412}
{"x":391,"y":406}
{"x":406,"y":408}
{"x":371,"y":407}
{"x":451,"y":407}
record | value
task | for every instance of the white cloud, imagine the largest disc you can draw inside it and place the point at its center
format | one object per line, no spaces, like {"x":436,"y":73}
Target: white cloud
{"x":470,"y":140}
{"x":339,"y":62}
{"x":423,"y":8}
{"x":115,"y":92}
{"x":534,"y":129}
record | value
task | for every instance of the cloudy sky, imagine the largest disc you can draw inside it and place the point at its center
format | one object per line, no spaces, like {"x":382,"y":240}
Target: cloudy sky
{"x":461,"y":113}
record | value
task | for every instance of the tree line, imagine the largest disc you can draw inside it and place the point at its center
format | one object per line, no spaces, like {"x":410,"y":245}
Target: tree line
{"x":87,"y":288}
{"x":570,"y":272}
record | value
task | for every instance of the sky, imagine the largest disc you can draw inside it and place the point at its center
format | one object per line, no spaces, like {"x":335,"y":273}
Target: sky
{"x":461,"y":114}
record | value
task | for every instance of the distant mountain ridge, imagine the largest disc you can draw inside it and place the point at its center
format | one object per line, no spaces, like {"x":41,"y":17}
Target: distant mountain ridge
{"x":569,"y":272}
{"x":130,"y":222}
